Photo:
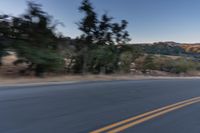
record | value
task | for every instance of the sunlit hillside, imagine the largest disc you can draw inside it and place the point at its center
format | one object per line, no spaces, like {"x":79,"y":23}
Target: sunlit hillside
{"x":192,"y":48}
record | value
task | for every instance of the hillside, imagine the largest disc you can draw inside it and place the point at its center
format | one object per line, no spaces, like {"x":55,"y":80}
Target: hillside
{"x":191,"y":48}
{"x":163,"y":48}
{"x":170,"y":48}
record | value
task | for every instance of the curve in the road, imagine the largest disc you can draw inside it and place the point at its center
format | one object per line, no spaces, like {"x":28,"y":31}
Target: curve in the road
{"x":130,"y":122}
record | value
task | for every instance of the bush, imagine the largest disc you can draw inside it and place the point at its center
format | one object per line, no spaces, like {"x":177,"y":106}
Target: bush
{"x":145,"y":63}
{"x":149,"y":63}
{"x":168,"y":64}
{"x":104,"y":59}
{"x":179,"y":65}
{"x":41,"y":60}
{"x":126,"y":58}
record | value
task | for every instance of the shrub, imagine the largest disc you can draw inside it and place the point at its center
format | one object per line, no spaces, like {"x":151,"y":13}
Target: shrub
{"x":178,"y":66}
{"x":126,"y":58}
{"x":145,"y":63}
{"x":102,"y":60}
{"x":168,"y":64}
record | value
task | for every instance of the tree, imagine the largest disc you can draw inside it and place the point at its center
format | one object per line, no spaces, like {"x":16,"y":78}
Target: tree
{"x":103,"y":31}
{"x":148,"y":64}
{"x":126,"y":58}
{"x":98,"y":33}
{"x":36,"y":40}
{"x":121,"y":36}
{"x":102,"y":60}
{"x":104,"y":34}
{"x":89,"y":22}
{"x":5,"y":31}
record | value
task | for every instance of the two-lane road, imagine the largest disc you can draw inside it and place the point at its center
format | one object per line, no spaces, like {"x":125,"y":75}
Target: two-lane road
{"x":143,"y":106}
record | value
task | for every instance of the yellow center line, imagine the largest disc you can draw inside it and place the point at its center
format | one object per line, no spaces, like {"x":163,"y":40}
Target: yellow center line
{"x":141,"y":116}
{"x":119,"y":129}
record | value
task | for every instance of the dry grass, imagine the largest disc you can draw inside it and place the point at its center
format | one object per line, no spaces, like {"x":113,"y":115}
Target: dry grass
{"x":195,"y":48}
{"x":9,"y":75}
{"x":8,"y":60}
{"x":69,"y":78}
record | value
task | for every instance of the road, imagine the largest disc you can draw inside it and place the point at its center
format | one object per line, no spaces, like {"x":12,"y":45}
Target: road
{"x":91,"y":106}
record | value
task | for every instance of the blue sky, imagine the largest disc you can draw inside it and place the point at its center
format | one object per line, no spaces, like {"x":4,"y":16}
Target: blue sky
{"x":149,"y":20}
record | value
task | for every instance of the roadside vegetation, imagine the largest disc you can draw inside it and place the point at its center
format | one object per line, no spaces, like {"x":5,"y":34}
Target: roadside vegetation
{"x":171,"y":64}
{"x":102,"y":48}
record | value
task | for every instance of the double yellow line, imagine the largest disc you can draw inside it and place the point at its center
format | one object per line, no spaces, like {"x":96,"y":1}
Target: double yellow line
{"x":131,"y":122}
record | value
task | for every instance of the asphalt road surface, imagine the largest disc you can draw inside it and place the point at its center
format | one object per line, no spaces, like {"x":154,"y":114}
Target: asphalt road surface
{"x":114,"y":106}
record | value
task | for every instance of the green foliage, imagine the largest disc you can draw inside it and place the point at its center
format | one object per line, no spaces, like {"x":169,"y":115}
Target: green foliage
{"x":145,"y":63}
{"x":102,"y":60}
{"x":2,"y":51}
{"x":126,"y":58}
{"x":5,"y":31}
{"x":148,"y":64}
{"x":48,"y":59}
{"x":98,"y":53}
{"x":88,"y":23}
{"x":163,"y":48}
{"x":167,"y":64}
{"x":34,"y":40}
{"x":135,"y":51}
{"x":103,"y":31}
{"x":179,"y":66}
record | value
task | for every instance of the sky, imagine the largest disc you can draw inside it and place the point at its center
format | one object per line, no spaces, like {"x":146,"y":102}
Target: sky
{"x":149,"y":20}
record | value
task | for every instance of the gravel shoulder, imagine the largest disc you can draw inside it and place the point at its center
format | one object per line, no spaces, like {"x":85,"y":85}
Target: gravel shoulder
{"x":79,"y":78}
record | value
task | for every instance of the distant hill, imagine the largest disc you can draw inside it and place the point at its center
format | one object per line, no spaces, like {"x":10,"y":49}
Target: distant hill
{"x":165,"y":48}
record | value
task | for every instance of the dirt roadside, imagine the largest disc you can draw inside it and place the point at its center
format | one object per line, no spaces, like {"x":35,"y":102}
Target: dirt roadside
{"x":78,"y":78}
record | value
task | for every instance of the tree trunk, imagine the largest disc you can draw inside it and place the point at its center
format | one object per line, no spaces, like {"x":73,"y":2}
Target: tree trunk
{"x":85,"y":69}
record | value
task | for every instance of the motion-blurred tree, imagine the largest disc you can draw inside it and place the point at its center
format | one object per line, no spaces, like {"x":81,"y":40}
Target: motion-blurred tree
{"x":36,"y":40}
{"x":104,"y":33}
{"x":88,"y":25}
{"x":121,"y":36}
{"x":148,"y":64}
{"x":102,"y":60}
{"x":126,"y":58}
{"x":99,"y":32}
{"x":5,"y":33}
